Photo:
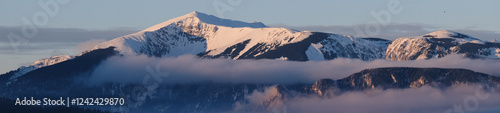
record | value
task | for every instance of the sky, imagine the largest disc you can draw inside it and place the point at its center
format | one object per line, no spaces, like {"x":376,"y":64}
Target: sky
{"x":80,"y":21}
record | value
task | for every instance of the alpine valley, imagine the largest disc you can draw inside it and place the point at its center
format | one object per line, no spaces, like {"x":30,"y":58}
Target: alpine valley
{"x":209,"y":37}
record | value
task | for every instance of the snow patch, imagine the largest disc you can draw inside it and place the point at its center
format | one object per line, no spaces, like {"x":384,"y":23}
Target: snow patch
{"x":314,"y":53}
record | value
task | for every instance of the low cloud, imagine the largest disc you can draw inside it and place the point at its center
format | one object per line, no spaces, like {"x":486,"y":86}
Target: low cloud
{"x":192,"y":69}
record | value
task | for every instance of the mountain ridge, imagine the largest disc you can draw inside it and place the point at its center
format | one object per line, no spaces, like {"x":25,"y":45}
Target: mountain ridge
{"x":211,"y":37}
{"x":439,"y":44}
{"x":190,"y":34}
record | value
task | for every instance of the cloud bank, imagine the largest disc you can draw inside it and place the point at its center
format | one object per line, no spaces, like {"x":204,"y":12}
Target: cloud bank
{"x":191,"y":69}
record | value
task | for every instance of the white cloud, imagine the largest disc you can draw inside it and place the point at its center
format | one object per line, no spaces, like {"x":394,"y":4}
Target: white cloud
{"x":189,"y":69}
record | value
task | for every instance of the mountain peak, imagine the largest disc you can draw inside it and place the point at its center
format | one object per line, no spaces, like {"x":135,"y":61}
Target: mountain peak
{"x":449,"y":34}
{"x":443,"y":33}
{"x":195,"y":14}
{"x":200,"y":17}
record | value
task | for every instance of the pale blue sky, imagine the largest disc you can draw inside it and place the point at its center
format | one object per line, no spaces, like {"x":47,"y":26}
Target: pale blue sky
{"x":139,"y":14}
{"x":83,"y":20}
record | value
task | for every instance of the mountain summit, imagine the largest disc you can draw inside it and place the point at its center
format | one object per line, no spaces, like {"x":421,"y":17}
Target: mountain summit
{"x":439,"y":44}
{"x":448,"y":34}
{"x":198,"y":17}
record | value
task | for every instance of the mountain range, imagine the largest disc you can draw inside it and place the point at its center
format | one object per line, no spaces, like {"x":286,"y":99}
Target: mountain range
{"x":208,"y":36}
{"x":212,"y":37}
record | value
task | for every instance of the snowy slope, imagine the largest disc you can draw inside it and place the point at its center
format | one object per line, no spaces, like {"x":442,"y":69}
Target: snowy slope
{"x":439,"y":44}
{"x":212,"y":37}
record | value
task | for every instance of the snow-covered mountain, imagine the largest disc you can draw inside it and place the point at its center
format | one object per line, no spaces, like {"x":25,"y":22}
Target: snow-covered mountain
{"x":212,"y":37}
{"x":439,"y":44}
